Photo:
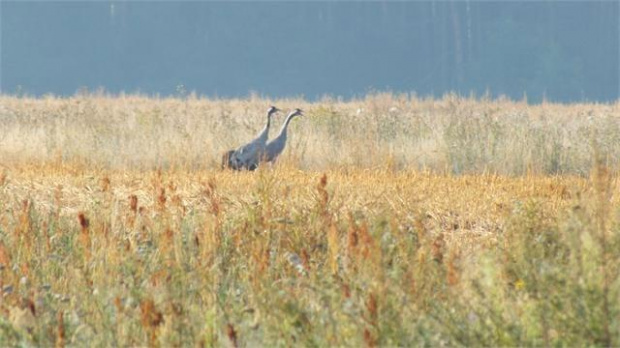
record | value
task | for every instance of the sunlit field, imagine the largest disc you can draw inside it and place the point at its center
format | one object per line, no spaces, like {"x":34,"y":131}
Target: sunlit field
{"x":389,"y":221}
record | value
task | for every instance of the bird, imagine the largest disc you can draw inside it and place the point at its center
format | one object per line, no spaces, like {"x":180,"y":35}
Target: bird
{"x":248,"y":156}
{"x":227,"y":162}
{"x":276,"y":146}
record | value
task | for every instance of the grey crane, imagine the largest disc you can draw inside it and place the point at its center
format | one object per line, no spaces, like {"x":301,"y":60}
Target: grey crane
{"x":248,"y":155}
{"x":229,"y":163}
{"x":276,"y":146}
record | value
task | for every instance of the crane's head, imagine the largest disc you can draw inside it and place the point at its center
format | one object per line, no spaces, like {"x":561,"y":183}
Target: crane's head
{"x":272,"y":110}
{"x":297,"y":112}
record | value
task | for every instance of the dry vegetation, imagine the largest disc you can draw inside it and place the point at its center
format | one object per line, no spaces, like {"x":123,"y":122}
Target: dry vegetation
{"x":390,"y":221}
{"x":449,"y":135}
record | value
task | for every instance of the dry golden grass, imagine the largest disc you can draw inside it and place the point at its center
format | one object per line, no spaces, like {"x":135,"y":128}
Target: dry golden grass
{"x":116,"y":228}
{"x":448,"y":135}
{"x":184,"y":257}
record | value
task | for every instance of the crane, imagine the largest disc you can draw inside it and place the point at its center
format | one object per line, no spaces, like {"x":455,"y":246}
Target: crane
{"x":275,"y":147}
{"x":248,"y":155}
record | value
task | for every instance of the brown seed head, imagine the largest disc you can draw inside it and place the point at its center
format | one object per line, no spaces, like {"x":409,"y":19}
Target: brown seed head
{"x":323,"y":195}
{"x":118,"y":304}
{"x":133,"y":203}
{"x":346,"y":290}
{"x":60,"y":333}
{"x":84,"y":223}
{"x":369,"y":339}
{"x":5,"y":256}
{"x":371,"y":305}
{"x":352,"y":234}
{"x":232,"y":335}
{"x":305,"y":259}
{"x":151,"y":317}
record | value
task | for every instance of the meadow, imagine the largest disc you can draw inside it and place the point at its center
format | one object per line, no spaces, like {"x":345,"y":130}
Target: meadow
{"x":390,"y":220}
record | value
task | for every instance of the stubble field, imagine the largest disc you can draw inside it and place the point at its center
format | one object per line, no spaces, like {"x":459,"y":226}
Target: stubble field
{"x":390,"y":220}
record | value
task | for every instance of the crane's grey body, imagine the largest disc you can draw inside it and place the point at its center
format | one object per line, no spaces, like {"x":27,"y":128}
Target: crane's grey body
{"x":276,"y":146}
{"x":249,"y":155}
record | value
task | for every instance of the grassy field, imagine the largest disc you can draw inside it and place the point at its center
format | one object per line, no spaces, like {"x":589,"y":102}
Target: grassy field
{"x":389,"y":221}
{"x":449,"y":135}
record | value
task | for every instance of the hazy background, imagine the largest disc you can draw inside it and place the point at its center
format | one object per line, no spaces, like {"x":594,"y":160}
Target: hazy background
{"x":562,"y":51}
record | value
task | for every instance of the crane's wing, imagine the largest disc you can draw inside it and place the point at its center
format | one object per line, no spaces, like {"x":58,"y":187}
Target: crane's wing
{"x":248,"y":155}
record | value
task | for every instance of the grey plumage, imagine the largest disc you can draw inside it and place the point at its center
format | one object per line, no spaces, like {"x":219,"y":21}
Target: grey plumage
{"x":276,"y":146}
{"x":249,"y":155}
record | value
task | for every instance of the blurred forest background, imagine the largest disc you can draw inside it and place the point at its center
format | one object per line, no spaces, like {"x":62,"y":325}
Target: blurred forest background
{"x":558,"y":51}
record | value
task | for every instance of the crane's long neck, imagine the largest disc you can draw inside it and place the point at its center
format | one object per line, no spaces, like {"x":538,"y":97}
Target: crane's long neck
{"x":268,"y":122}
{"x":285,"y":125}
{"x":265,"y":132}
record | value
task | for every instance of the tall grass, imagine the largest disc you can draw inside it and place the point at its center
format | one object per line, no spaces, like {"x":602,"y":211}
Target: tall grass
{"x":448,"y":135}
{"x":283,"y":257}
{"x":134,"y":240}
